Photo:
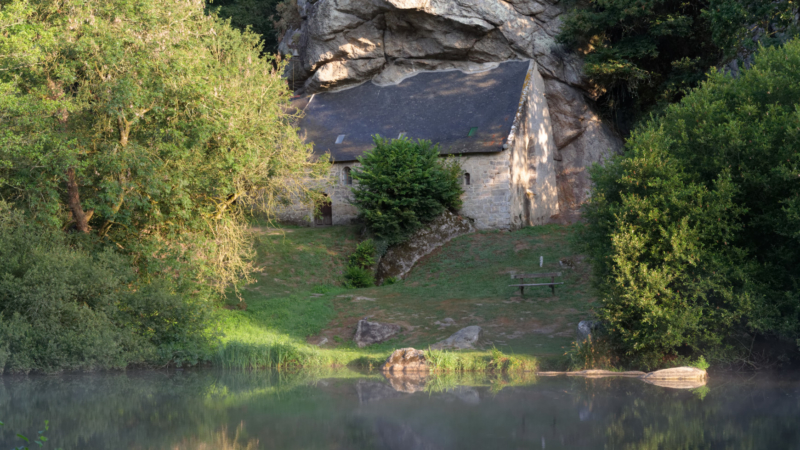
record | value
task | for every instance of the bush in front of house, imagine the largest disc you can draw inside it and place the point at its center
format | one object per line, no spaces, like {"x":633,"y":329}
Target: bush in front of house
{"x":695,"y":232}
{"x":402,"y":185}
{"x":359,"y":272}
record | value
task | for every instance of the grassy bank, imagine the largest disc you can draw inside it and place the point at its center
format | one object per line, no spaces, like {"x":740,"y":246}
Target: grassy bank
{"x":297,"y":313}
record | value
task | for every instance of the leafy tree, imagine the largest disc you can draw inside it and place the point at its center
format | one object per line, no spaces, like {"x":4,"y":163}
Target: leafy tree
{"x":643,"y":55}
{"x":147,"y":124}
{"x":259,"y":15}
{"x":694,"y":232}
{"x":402,"y":185}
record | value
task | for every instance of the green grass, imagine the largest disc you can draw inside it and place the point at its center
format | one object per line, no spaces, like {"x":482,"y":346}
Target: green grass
{"x":298,"y":300}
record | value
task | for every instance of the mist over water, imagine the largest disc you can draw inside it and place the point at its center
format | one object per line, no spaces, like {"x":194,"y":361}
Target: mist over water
{"x":209,"y":409}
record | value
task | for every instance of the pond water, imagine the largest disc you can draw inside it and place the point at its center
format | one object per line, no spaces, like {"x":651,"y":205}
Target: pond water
{"x":207,"y":409}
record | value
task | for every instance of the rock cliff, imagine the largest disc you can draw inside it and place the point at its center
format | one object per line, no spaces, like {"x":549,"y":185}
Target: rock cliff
{"x":341,"y":43}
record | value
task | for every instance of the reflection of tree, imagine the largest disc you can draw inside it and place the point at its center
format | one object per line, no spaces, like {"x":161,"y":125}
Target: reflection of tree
{"x":190,"y":409}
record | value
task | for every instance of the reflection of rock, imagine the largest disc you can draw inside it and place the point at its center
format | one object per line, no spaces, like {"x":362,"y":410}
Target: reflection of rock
{"x":372,"y":391}
{"x":397,"y":436}
{"x":677,"y":373}
{"x":407,"y":382}
{"x":368,"y":333}
{"x":466,"y":394}
{"x":587,"y":327}
{"x":462,"y":339}
{"x":676,"y":384}
{"x":405,"y":360}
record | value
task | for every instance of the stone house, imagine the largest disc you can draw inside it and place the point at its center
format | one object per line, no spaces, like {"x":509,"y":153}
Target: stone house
{"x":493,"y":117}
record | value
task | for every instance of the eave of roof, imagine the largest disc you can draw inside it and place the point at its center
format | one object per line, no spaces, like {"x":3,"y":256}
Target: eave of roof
{"x":438,"y":106}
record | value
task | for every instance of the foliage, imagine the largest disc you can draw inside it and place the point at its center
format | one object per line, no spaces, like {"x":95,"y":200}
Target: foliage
{"x":593,"y":353}
{"x":494,"y":361}
{"x":644,"y":55}
{"x":700,"y":363}
{"x":255,"y":15}
{"x":146,"y":124}
{"x":360,"y":272}
{"x":40,"y":440}
{"x":402,"y":185}
{"x":364,"y":256}
{"x":96,"y":314}
{"x":694,"y":232}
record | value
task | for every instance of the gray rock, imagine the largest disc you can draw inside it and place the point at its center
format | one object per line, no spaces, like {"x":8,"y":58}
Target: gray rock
{"x":405,"y":360}
{"x":399,"y":260}
{"x":589,"y":327}
{"x":462,"y":339}
{"x":368,"y":333}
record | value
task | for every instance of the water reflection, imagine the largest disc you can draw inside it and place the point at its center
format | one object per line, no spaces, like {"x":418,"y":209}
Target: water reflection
{"x":206,"y":409}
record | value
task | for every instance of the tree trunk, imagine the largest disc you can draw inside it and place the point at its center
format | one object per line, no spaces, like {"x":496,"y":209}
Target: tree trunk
{"x":74,"y":200}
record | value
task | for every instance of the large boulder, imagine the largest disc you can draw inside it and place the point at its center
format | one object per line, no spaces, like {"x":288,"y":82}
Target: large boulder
{"x":406,"y":360}
{"x":677,"y":374}
{"x":368,"y":333}
{"x":462,"y":339}
{"x":400,"y":259}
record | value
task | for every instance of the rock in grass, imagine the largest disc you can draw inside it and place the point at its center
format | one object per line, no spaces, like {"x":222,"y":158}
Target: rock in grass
{"x":462,"y":339}
{"x":368,"y":333}
{"x":589,"y":327}
{"x":405,"y":360}
{"x":677,"y":373}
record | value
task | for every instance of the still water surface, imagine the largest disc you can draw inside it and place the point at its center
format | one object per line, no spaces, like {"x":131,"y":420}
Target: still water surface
{"x":207,"y":409}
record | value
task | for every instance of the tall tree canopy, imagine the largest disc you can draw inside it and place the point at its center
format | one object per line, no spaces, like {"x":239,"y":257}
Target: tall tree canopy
{"x":146,"y":123}
{"x":645,"y":54}
{"x":695,"y":231}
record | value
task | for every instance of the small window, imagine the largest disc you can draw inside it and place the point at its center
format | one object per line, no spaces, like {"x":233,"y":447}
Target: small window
{"x":466,"y":179}
{"x":472,"y":131}
{"x":348,"y":177}
{"x":340,"y":139}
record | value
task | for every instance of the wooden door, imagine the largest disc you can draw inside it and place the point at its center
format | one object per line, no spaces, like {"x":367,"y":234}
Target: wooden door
{"x":325,"y":216}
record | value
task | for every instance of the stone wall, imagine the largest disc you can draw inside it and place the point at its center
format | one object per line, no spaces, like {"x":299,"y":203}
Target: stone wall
{"x":487,"y":199}
{"x":340,"y":193}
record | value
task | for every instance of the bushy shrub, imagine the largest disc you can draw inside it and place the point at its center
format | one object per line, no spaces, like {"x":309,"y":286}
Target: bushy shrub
{"x":359,"y":272}
{"x":694,"y":232}
{"x":66,"y":307}
{"x":402,"y":185}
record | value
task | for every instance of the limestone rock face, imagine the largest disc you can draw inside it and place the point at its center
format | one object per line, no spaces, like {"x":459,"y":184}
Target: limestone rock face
{"x":399,"y":260}
{"x":341,"y":43}
{"x":368,"y":333}
{"x":405,"y":360}
{"x":462,"y":339}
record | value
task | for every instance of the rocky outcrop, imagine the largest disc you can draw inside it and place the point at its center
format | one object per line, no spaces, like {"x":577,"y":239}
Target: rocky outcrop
{"x":341,"y":43}
{"x":405,"y":360}
{"x":400,"y":259}
{"x":368,"y":333}
{"x":462,"y":339}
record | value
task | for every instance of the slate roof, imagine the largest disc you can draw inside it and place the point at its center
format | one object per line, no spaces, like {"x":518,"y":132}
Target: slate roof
{"x":442,"y":107}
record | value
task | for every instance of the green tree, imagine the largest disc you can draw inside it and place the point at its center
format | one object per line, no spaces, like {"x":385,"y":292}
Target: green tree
{"x":147,"y":124}
{"x":694,"y":232}
{"x":402,"y":185}
{"x":643,"y":55}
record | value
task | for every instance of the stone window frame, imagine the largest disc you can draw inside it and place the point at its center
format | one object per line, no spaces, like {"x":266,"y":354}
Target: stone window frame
{"x":347,"y":176}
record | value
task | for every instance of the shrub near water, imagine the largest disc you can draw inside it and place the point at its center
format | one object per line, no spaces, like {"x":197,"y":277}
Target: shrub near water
{"x":66,"y":307}
{"x":694,"y":232}
{"x":402,"y":185}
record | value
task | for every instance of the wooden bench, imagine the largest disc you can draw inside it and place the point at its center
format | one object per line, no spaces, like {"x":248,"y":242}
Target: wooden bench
{"x":522,"y":276}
